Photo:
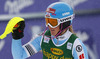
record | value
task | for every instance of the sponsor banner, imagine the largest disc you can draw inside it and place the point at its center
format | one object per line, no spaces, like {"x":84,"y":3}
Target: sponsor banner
{"x":23,"y":6}
{"x":8,"y":7}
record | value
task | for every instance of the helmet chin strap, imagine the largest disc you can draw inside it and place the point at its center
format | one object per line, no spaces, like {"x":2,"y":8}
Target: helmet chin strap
{"x":61,"y":30}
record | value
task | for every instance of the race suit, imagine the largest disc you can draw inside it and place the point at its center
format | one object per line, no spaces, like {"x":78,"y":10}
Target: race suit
{"x":66,"y":46}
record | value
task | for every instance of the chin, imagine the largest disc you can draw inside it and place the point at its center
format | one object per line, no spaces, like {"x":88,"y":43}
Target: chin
{"x":53,"y":34}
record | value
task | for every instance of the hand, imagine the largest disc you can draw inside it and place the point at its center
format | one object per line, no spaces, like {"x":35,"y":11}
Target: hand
{"x":18,"y":30}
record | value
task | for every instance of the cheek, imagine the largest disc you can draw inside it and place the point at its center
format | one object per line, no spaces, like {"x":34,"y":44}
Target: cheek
{"x":57,"y":28}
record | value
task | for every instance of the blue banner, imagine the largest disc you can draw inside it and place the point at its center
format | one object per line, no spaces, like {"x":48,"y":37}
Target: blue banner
{"x":30,"y":6}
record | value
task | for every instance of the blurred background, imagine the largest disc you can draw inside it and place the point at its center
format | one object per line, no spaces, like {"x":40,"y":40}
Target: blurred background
{"x":86,"y":22}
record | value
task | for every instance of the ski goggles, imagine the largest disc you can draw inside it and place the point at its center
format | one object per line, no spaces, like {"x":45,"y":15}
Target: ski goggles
{"x":54,"y":22}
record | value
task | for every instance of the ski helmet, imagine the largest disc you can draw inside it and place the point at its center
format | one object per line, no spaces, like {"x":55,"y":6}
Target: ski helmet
{"x":60,"y":12}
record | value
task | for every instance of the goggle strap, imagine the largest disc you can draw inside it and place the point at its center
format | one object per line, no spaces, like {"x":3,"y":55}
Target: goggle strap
{"x":61,"y":26}
{"x":66,"y":19}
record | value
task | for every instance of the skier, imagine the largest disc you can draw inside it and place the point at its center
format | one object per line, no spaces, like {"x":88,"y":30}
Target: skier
{"x":58,"y":42}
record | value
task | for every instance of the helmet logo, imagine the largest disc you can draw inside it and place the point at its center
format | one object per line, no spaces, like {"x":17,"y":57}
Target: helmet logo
{"x":67,"y":13}
{"x":66,"y":19}
{"x":47,"y":14}
{"x":51,"y":10}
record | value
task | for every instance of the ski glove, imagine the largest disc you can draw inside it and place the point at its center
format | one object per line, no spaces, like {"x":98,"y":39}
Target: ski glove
{"x":18,"y":30}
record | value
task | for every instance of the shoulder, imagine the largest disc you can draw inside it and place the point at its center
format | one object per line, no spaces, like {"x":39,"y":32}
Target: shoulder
{"x":78,"y":45}
{"x":79,"y":49}
{"x":78,"y":41}
{"x":73,"y":38}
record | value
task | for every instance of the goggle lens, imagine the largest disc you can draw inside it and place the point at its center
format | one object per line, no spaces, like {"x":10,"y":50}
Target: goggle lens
{"x":51,"y":21}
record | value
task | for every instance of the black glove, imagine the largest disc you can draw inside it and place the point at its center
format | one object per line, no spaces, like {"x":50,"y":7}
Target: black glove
{"x":18,"y":30}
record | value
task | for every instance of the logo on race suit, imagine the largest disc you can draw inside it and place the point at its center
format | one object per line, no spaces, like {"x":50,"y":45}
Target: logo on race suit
{"x":46,"y":39}
{"x":50,"y":10}
{"x":56,"y":51}
{"x":69,"y":45}
{"x":78,"y":48}
{"x":81,"y":56}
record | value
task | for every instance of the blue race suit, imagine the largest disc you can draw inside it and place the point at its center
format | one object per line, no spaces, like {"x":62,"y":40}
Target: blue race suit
{"x":20,"y":51}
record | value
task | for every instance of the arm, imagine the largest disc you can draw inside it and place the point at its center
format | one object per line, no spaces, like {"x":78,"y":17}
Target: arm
{"x":79,"y":50}
{"x":33,"y":46}
{"x":27,"y":50}
{"x":19,"y":51}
